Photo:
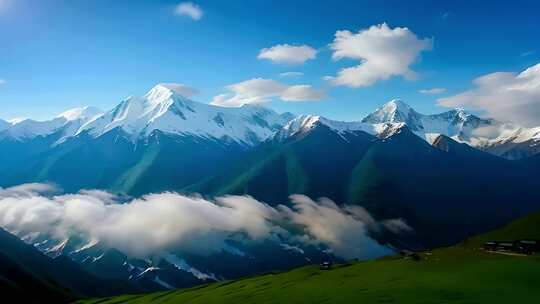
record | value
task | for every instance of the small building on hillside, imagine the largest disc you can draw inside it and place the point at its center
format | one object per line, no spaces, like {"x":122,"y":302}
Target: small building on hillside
{"x":325,"y":265}
{"x":528,"y":246}
{"x":521,"y":246}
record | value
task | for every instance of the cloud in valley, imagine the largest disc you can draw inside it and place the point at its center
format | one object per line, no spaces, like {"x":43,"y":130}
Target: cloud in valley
{"x":288,"y":54}
{"x":260,"y":90}
{"x":190,"y":10}
{"x":169,"y":221}
{"x":383,"y":52}
{"x":503,"y":96}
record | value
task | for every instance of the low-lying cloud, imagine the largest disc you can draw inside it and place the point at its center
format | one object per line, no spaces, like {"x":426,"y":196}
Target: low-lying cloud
{"x":170,"y":221}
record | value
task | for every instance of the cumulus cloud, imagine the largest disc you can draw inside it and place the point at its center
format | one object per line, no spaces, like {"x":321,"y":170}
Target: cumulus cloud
{"x":189,"y":9}
{"x":260,"y":90}
{"x":504,"y":96}
{"x":288,"y":54}
{"x":291,"y":74}
{"x":169,"y":221}
{"x":434,"y":91}
{"x":181,"y":89}
{"x":383,"y":52}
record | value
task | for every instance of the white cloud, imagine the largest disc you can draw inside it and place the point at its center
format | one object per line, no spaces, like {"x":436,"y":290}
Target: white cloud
{"x":383,"y":52}
{"x":2,"y":81}
{"x":433,"y":91}
{"x":172,"y":222}
{"x":504,"y":96}
{"x":301,"y":92}
{"x":259,"y":90}
{"x":181,"y":89}
{"x":189,"y":9}
{"x":288,"y":54}
{"x":324,"y":222}
{"x":291,"y":74}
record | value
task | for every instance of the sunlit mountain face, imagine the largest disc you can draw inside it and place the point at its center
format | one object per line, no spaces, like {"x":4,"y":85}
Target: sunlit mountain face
{"x":264,"y":152}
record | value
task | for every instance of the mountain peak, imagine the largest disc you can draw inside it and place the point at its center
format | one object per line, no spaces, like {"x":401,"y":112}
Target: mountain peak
{"x":165,"y":91}
{"x":298,"y":125}
{"x":84,"y":113}
{"x":393,"y":111}
{"x":396,"y":105}
{"x":159,"y":94}
{"x":167,"y":109}
{"x":305,"y":123}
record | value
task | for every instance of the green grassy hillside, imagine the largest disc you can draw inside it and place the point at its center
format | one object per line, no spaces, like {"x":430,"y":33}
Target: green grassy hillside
{"x":459,"y":274}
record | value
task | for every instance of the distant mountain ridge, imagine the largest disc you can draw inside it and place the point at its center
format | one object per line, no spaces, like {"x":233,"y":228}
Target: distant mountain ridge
{"x":165,"y":110}
{"x":502,"y":139}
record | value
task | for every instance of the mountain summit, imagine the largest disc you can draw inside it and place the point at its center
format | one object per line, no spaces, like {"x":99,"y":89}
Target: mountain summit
{"x":393,"y":111}
{"x":166,"y":110}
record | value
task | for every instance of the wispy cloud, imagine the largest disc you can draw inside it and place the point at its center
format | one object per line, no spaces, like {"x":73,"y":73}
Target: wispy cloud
{"x":2,"y":81}
{"x":259,"y":90}
{"x":171,"y":221}
{"x":288,"y":54}
{"x":434,"y":91}
{"x":189,"y":9}
{"x":525,"y":54}
{"x":291,"y":74}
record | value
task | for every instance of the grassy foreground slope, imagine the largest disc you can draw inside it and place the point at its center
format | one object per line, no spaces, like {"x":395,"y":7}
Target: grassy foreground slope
{"x":459,"y":274}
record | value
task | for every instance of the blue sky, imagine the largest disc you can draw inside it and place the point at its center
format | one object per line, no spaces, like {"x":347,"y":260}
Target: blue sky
{"x":56,"y":55}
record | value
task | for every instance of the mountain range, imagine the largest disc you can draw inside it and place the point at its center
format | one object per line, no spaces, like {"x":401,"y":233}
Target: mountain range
{"x":166,"y":111}
{"x":448,"y":176}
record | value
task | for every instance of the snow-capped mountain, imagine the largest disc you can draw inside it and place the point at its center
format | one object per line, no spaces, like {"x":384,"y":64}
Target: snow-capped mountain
{"x":162,"y":108}
{"x":81,"y":114}
{"x":67,"y":123}
{"x":457,"y":123}
{"x":503,"y":139}
{"x":4,"y":125}
{"x":304,"y":123}
{"x":166,"y":110}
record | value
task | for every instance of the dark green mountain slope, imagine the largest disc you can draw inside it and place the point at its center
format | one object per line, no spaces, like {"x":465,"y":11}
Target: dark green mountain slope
{"x":317,"y":164}
{"x":26,"y":272}
{"x":113,"y":161}
{"x":446,"y":192}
